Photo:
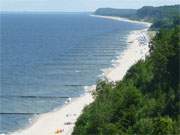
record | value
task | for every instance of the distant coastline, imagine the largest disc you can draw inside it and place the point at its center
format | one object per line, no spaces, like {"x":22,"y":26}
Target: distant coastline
{"x":148,"y":24}
{"x":134,"y":53}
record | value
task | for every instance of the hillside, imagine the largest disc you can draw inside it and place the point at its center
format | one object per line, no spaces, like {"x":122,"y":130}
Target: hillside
{"x":164,"y":16}
{"x":146,"y":101}
{"x":116,"y":12}
{"x":157,"y":13}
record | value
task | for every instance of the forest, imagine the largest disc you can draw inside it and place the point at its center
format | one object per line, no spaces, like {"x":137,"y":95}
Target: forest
{"x":161,"y":17}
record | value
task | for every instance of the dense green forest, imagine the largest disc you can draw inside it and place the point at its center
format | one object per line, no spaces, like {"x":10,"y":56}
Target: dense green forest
{"x":146,"y":101}
{"x":162,"y":17}
{"x":116,"y":12}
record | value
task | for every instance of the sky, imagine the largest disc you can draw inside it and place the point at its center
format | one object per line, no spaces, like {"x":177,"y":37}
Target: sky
{"x":77,"y":5}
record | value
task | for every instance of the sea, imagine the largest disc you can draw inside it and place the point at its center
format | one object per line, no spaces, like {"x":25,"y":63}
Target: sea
{"x":45,"y":58}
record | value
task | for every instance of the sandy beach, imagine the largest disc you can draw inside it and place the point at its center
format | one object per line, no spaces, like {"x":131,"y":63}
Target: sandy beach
{"x":61,"y":121}
{"x":135,"y":52}
{"x":122,"y":19}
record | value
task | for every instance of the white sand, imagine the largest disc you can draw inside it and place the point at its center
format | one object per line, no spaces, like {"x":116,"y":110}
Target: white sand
{"x":49,"y":123}
{"x":123,"y":19}
{"x":129,"y":57}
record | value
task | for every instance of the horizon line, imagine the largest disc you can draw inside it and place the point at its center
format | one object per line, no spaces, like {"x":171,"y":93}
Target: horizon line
{"x":65,"y":12}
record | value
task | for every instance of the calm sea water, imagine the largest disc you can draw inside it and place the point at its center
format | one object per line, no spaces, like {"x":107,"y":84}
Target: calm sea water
{"x":46,"y":58}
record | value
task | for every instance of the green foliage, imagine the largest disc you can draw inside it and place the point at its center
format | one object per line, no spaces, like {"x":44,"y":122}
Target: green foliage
{"x":144,"y":126}
{"x":162,"y":126}
{"x":162,"y":17}
{"x":116,"y":12}
{"x":146,"y":101}
{"x":155,"y":13}
{"x":141,"y":74}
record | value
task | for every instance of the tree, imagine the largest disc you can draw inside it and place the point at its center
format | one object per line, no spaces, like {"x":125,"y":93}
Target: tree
{"x":162,"y":126}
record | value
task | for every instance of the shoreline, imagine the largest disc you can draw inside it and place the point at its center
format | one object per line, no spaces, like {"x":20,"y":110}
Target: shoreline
{"x":65,"y":117}
{"x":129,"y":57}
{"x":122,"y":19}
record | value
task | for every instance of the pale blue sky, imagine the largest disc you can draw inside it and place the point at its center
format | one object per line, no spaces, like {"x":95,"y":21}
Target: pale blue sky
{"x":77,"y":5}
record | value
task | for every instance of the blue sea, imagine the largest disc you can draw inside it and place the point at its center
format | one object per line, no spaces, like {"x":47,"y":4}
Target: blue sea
{"x":47,"y":57}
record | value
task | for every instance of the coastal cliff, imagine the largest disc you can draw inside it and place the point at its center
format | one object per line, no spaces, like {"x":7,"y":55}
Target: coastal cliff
{"x":146,"y":101}
{"x":161,"y":17}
